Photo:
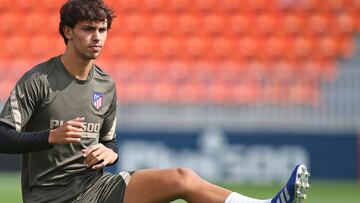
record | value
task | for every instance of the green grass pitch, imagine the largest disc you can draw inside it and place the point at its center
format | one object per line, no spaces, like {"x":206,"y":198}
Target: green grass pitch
{"x":320,"y":192}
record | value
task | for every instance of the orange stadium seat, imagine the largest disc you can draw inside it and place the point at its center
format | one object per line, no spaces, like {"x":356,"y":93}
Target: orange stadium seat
{"x":346,"y":46}
{"x":129,"y":5}
{"x":136,"y":23}
{"x":301,"y":47}
{"x":219,"y":92}
{"x":247,"y":46}
{"x":155,"y":6}
{"x":223,"y":47}
{"x":245,"y":92}
{"x":177,"y":71}
{"x":163,"y":92}
{"x":5,"y":5}
{"x":274,"y":47}
{"x":266,"y":23}
{"x":169,"y":47}
{"x":144,"y":46}
{"x":11,"y":22}
{"x":293,"y":23}
{"x":180,"y":5}
{"x":326,"y":46}
{"x":118,"y":46}
{"x":34,"y":23}
{"x":241,"y":24}
{"x":197,"y":47}
{"x":188,"y":23}
{"x":318,"y":23}
{"x":233,"y":5}
{"x":191,"y":92}
{"x":214,"y":24}
{"x":206,"y":5}
{"x":15,"y":46}
{"x":345,"y":23}
{"x":162,"y":24}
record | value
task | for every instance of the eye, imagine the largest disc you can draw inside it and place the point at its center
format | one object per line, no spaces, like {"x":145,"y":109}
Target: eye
{"x":102,"y":29}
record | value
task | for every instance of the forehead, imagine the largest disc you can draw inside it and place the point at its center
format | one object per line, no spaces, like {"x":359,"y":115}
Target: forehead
{"x":92,"y":23}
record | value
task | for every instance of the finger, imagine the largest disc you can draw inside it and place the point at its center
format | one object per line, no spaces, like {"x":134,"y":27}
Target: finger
{"x":79,"y":119}
{"x":77,"y":124}
{"x":74,"y":134}
{"x":100,"y":165}
{"x":76,"y":129}
{"x":96,"y":160}
{"x":91,"y":149}
{"x":72,"y":140}
{"x":95,"y":155}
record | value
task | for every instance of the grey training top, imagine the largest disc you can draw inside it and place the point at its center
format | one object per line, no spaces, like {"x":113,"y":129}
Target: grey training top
{"x":45,"y":97}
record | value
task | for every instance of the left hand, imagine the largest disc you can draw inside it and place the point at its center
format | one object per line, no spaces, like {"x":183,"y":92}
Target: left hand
{"x":98,"y":156}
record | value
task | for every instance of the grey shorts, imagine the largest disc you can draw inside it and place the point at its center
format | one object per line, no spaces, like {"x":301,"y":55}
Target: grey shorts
{"x":108,"y":188}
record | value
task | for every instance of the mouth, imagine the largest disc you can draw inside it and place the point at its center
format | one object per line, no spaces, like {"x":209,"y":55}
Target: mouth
{"x":95,"y":47}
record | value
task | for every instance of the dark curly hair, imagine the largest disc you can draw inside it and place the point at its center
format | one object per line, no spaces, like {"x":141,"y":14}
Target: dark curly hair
{"x":84,"y":10}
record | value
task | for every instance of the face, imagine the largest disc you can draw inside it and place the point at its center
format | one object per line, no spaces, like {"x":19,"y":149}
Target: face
{"x":87,"y":38}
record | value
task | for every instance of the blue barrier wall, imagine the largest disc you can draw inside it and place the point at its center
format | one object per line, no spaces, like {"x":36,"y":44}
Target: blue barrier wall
{"x":241,"y":156}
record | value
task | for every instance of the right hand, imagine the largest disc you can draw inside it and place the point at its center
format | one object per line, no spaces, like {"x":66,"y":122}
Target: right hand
{"x":69,"y":132}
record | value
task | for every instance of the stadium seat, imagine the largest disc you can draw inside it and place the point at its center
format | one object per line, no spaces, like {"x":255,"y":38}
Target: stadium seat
{"x":180,"y":5}
{"x":302,"y":47}
{"x":178,"y":71}
{"x":121,"y":46}
{"x":346,"y":46}
{"x":293,"y":23}
{"x":223,"y":47}
{"x":345,"y":24}
{"x":191,"y":92}
{"x":206,"y":5}
{"x":144,"y":46}
{"x":15,"y":46}
{"x":246,"y":92}
{"x":214,"y":24}
{"x":163,"y":92}
{"x":4,"y":5}
{"x":241,"y":24}
{"x":247,"y":46}
{"x":169,"y":47}
{"x":188,"y":23}
{"x":274,"y":47}
{"x":219,"y":92}
{"x":266,"y":24}
{"x":155,"y":6}
{"x":11,"y":22}
{"x":197,"y":47}
{"x":162,"y":24}
{"x":34,"y":23}
{"x":136,"y":24}
{"x":318,"y":23}
{"x":233,"y":5}
{"x":129,"y":5}
{"x":327,"y":46}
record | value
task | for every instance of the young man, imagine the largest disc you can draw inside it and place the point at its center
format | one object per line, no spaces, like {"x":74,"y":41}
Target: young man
{"x":70,"y":86}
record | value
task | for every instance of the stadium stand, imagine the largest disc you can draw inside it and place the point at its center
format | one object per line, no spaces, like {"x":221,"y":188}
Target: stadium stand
{"x":202,"y":51}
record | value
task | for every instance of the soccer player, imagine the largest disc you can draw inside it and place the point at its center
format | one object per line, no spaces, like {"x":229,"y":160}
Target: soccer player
{"x":70,"y":86}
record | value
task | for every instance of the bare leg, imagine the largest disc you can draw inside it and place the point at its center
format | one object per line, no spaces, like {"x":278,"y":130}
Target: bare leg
{"x":163,"y":186}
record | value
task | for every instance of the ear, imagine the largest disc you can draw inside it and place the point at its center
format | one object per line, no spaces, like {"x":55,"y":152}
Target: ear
{"x":68,"y":32}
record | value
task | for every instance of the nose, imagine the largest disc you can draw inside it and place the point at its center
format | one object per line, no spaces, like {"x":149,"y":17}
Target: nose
{"x":96,"y":35}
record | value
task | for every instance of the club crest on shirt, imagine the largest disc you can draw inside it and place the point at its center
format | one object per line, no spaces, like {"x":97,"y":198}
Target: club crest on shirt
{"x":98,"y":100}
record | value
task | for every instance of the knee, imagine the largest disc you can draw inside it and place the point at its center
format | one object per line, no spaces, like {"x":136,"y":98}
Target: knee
{"x":185,"y":178}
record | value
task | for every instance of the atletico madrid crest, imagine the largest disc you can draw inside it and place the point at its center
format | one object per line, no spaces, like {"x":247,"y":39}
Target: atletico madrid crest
{"x":98,"y":100}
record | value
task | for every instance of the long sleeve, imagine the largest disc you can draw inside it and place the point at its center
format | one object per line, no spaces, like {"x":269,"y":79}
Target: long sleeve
{"x":13,"y":142}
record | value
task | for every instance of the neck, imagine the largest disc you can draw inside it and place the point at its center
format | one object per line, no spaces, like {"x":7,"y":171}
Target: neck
{"x":78,"y":67}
